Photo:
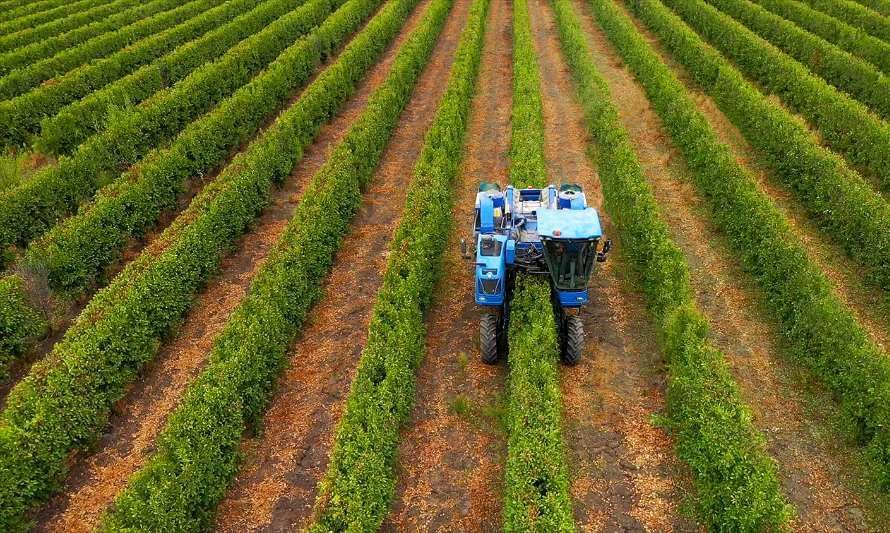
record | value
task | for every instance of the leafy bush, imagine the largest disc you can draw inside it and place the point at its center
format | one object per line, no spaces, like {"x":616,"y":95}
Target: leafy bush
{"x":64,"y":402}
{"x":537,"y":482}
{"x":848,"y":73}
{"x":819,"y":332}
{"x":735,"y":480}
{"x":536,"y":495}
{"x":20,"y":116}
{"x":857,"y":42}
{"x":235,"y":386}
{"x":358,"y":487}
{"x":527,"y":164}
{"x":842,"y":203}
{"x":20,"y":323}
{"x":31,"y":209}
{"x":24,"y":8}
{"x":22,"y":49}
{"x":20,"y":81}
{"x":845,"y":124}
{"x":855,"y":15}
{"x":62,"y":133}
{"x":75,"y":24}
{"x":30,"y":19}
{"x":75,"y":253}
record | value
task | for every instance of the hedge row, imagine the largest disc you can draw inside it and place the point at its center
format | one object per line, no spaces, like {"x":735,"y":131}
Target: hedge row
{"x":29,"y":210}
{"x":64,"y":402}
{"x":735,"y":480}
{"x":40,"y":17}
{"x":857,"y":42}
{"x":20,"y":323}
{"x":233,"y":390}
{"x":846,"y":125}
{"x":76,"y":252}
{"x":20,"y":81}
{"x":536,"y":491}
{"x":819,"y":332}
{"x":23,"y":48}
{"x":848,"y":73}
{"x":855,"y":15}
{"x":23,"y":8}
{"x":20,"y":117}
{"x":53,"y":28}
{"x":527,"y":163}
{"x":357,"y":490}
{"x":880,"y":6}
{"x":62,"y":133}
{"x":841,"y":202}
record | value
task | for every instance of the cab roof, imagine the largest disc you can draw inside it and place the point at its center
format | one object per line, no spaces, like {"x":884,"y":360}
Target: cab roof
{"x":569,"y":223}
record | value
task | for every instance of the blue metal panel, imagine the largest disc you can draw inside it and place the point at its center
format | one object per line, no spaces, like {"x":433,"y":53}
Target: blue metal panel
{"x":573,"y":298}
{"x":569,"y":223}
{"x":511,"y":251}
{"x":491,"y":270}
{"x":486,"y":215}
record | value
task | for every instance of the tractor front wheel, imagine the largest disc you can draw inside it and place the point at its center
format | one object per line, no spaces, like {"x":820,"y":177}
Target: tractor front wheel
{"x":573,"y":340}
{"x":488,"y":338}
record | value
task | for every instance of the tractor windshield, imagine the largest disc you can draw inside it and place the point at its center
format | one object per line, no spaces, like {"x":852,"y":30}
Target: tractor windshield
{"x":570,"y":261}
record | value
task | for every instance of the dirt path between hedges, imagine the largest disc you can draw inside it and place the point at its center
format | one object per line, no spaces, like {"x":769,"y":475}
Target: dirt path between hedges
{"x":452,"y":450}
{"x":625,"y":476}
{"x":95,"y":480}
{"x":276,"y":487}
{"x":811,"y":464}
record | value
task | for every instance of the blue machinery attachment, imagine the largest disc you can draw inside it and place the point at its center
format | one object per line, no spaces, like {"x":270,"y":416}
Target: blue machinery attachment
{"x":548,"y":231}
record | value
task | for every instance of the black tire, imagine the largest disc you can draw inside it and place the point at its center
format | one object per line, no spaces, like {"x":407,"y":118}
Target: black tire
{"x":573,"y":340}
{"x":488,"y":339}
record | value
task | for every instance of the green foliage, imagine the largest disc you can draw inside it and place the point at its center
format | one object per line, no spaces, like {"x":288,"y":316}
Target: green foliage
{"x":848,"y":73}
{"x":20,"y":116}
{"x":235,"y":386}
{"x":846,"y":125}
{"x":537,"y":488}
{"x":736,"y":482}
{"x":842,"y":203}
{"x":46,"y":38}
{"x":20,"y":323}
{"x":24,"y":8}
{"x":537,"y":483}
{"x":857,"y":42}
{"x":358,"y":487}
{"x":880,"y":6}
{"x":76,"y":252}
{"x":20,"y":81}
{"x":62,"y":133}
{"x":855,"y":15}
{"x":22,"y":48}
{"x":37,"y":18}
{"x":64,"y":402}
{"x":29,"y":210}
{"x":819,"y":332}
{"x":527,"y":163}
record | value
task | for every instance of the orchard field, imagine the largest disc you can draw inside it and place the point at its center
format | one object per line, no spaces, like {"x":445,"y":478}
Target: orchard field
{"x":233,"y":298}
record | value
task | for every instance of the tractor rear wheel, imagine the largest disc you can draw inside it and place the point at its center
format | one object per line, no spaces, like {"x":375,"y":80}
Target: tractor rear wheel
{"x":488,"y":338}
{"x":573,"y":340}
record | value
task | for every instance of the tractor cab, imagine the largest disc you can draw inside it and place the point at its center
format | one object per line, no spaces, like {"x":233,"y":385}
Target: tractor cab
{"x":546,"y":231}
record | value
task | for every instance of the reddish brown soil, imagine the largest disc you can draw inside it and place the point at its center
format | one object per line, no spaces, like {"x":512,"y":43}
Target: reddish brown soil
{"x":624,"y":472}
{"x":452,"y":450}
{"x":275,"y":489}
{"x":811,"y":464}
{"x":95,"y":480}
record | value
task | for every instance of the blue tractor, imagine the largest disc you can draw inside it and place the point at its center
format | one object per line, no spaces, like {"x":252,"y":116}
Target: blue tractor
{"x":548,"y":231}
